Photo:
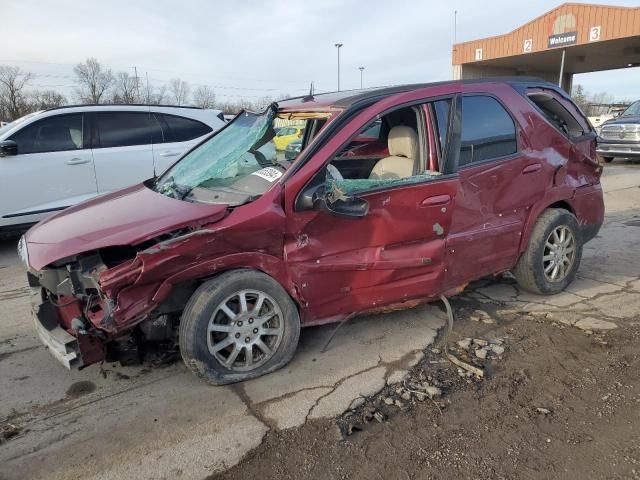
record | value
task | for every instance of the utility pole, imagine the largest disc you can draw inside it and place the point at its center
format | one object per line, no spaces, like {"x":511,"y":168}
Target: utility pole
{"x":338,"y":46}
{"x":455,"y":27}
{"x":148,"y":91}
{"x":361,"y":70}
{"x":135,"y":69}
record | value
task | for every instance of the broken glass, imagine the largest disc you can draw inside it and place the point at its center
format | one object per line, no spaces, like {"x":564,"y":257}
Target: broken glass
{"x":342,"y":188}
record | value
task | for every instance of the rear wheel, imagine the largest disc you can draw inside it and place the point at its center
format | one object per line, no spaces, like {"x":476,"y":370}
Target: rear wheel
{"x":239,"y":325}
{"x":553,"y":255}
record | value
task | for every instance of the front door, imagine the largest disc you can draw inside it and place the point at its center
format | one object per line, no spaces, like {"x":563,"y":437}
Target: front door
{"x":395,"y":253}
{"x":52,"y":170}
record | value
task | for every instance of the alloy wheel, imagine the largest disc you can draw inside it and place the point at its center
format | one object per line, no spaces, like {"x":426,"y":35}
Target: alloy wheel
{"x":245,"y":330}
{"x":559,"y":253}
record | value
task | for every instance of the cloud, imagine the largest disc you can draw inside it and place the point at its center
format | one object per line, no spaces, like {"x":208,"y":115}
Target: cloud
{"x":253,"y":47}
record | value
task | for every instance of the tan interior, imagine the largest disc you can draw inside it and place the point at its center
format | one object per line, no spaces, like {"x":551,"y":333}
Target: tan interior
{"x":403,"y":150}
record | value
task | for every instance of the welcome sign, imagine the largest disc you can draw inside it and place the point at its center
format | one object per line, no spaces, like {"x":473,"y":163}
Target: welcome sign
{"x":562,"y":39}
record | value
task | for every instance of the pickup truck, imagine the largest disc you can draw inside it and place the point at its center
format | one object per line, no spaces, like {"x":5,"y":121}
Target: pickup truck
{"x":620,"y":136}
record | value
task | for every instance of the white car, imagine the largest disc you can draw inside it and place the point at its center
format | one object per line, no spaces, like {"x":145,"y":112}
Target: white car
{"x":53,"y":159}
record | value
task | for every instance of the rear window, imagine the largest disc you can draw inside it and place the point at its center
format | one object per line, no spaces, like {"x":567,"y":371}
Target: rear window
{"x":488,"y":131}
{"x":180,"y":129}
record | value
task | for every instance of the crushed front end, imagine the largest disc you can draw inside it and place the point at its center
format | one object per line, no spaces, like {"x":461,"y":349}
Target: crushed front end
{"x":77,"y":315}
{"x":71,"y":312}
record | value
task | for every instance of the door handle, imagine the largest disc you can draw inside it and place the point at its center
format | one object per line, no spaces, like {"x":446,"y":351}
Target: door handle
{"x":169,"y":154}
{"x":77,"y":161}
{"x":533,"y":168}
{"x":436,"y":200}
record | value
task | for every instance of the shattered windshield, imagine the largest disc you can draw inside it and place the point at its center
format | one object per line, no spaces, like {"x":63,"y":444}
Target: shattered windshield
{"x":235,"y":166}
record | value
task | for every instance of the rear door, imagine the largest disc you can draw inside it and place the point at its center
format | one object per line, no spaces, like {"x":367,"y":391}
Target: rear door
{"x":122,"y":147}
{"x":501,"y":178}
{"x":52,"y":170}
{"x":179,"y":135}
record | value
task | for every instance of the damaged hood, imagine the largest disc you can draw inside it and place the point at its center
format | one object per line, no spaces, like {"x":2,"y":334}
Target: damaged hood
{"x":125,"y":217}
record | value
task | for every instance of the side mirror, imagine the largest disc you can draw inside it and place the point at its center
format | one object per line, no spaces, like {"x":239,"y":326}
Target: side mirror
{"x":339,"y":202}
{"x":349,"y":207}
{"x":8,"y":148}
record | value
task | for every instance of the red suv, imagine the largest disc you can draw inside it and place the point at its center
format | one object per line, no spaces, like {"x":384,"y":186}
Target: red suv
{"x":229,"y":252}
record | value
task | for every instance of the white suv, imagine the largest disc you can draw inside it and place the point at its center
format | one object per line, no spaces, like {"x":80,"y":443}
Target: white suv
{"x":56,"y":158}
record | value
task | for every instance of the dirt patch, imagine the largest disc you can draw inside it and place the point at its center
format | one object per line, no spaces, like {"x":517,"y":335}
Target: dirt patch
{"x":81,"y":388}
{"x":559,"y":403}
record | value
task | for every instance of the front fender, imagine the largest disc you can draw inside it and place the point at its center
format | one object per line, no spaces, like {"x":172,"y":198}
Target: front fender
{"x":268,"y":264}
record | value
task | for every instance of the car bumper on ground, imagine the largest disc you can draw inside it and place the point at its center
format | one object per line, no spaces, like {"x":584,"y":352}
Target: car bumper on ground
{"x":618,"y":149}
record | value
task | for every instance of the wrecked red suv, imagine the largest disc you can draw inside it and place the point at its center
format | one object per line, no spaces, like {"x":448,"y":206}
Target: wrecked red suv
{"x":229,"y":252}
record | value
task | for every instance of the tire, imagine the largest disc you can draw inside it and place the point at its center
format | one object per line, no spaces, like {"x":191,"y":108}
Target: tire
{"x":532,"y":264}
{"x":607,"y":159}
{"x":209,"y":336}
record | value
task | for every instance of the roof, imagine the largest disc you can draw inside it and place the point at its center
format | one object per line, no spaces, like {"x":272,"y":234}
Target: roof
{"x":346,"y":98}
{"x":611,"y":22}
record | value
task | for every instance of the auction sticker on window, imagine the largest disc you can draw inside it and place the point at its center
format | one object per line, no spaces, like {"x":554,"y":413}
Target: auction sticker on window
{"x":268,"y":173}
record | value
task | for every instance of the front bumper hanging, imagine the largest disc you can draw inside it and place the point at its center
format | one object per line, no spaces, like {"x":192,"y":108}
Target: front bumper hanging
{"x":62,"y":345}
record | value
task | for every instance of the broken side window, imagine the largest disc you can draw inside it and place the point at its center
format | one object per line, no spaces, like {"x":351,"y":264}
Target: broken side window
{"x":389,"y":151}
{"x":556,"y":113}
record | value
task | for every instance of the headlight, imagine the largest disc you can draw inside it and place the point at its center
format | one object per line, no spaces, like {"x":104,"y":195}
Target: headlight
{"x":23,"y":253}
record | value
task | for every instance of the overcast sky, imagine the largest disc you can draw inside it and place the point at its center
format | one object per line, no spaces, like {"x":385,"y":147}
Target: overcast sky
{"x":258,"y":48}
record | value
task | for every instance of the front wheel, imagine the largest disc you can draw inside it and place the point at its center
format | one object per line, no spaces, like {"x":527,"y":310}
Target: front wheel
{"x":553,"y":255}
{"x":240,"y":325}
{"x":607,"y":159}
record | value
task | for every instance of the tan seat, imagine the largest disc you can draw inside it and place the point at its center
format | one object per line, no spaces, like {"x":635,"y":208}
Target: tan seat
{"x":403,"y":150}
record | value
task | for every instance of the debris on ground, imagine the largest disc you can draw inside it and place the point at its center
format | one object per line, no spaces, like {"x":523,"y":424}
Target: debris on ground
{"x":8,"y":431}
{"x":430,"y":380}
{"x":481,"y":316}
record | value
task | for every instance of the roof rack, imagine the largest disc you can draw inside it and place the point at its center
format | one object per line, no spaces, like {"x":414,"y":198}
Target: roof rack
{"x":347,"y":97}
{"x":122,"y":105}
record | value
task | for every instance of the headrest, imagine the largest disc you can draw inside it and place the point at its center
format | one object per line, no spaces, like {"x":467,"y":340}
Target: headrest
{"x":403,"y":142}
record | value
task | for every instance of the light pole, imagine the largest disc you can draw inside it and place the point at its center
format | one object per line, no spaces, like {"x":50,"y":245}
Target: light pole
{"x":338,"y":45}
{"x":361,"y":70}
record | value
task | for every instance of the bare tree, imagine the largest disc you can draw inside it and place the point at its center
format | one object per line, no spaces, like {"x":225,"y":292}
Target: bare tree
{"x":12,"y":98}
{"x":600,"y":97}
{"x":204,"y":97}
{"x":126,"y":88}
{"x":579,"y":96}
{"x":179,"y":91}
{"x":44,"y":99}
{"x":93,"y":81}
{"x":151,"y":95}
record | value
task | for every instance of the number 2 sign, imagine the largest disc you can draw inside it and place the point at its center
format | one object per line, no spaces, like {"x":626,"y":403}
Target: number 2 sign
{"x":528,"y":45}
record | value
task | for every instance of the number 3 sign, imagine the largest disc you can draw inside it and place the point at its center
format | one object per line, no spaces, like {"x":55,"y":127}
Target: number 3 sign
{"x":594,"y":34}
